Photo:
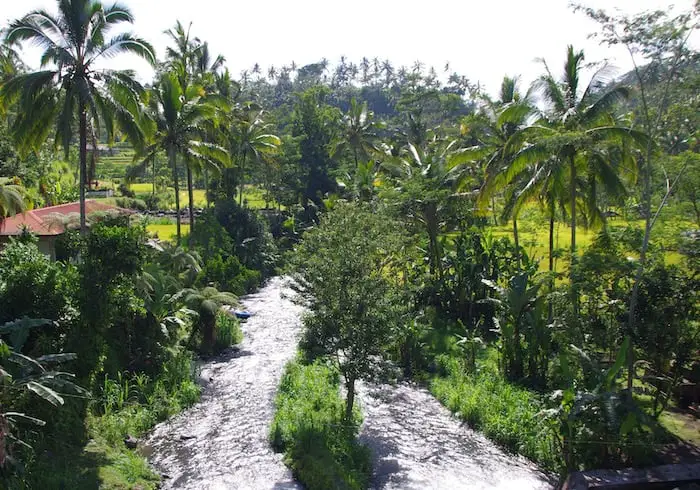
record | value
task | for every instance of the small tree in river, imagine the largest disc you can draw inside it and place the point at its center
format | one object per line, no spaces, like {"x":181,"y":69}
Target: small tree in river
{"x":344,"y":278}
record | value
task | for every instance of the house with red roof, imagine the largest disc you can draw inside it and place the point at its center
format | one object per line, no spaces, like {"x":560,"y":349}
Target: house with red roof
{"x":51,"y":222}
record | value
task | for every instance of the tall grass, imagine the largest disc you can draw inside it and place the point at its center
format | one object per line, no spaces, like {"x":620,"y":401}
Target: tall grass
{"x":319,"y":445}
{"x":132,"y":404}
{"x":126,"y":405}
{"x":227,"y":331}
{"x":507,"y":414}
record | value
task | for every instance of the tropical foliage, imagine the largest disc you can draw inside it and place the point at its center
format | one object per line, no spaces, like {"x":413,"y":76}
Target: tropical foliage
{"x":532,"y":256}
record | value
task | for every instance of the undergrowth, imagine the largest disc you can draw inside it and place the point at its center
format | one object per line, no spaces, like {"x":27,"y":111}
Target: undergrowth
{"x":319,"y":446}
{"x":94,"y":455}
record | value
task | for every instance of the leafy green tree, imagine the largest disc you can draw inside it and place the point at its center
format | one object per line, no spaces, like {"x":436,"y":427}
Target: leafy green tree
{"x":343,"y":275}
{"x":425,"y":179}
{"x":250,"y":139}
{"x":75,"y":42}
{"x":658,"y":47}
{"x":314,"y":123}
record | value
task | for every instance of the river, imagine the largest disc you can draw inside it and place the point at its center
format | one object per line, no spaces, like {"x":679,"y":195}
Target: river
{"x":222,"y":442}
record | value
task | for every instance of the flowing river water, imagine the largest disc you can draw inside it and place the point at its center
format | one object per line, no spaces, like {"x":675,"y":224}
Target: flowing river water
{"x":222,"y":442}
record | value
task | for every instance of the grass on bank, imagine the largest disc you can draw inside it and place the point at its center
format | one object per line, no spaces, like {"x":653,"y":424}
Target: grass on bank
{"x":507,"y":414}
{"x":128,"y":406}
{"x":319,"y":446}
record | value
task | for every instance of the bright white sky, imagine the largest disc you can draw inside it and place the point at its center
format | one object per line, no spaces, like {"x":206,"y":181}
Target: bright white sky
{"x":482,"y":39}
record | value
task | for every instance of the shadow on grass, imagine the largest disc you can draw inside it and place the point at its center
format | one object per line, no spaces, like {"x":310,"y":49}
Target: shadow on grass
{"x":69,"y":467}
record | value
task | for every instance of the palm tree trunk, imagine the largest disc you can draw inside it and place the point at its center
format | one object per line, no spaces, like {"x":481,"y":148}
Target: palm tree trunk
{"x":350,"y":399}
{"x":83,"y":166}
{"x":240,"y":197}
{"x":551,"y":261}
{"x":176,"y":184}
{"x":517,"y":242}
{"x":574,"y":288}
{"x":154,"y":175}
{"x":573,"y":209}
{"x":190,"y":195}
{"x":206,"y":185}
{"x":493,"y":209}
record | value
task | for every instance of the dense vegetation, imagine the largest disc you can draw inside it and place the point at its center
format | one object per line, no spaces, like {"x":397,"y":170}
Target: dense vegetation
{"x":419,"y":216}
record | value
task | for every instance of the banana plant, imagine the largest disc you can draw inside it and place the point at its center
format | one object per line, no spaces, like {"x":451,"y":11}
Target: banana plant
{"x":159,"y":291}
{"x":20,"y":374}
{"x":519,"y":320}
{"x":593,"y":417}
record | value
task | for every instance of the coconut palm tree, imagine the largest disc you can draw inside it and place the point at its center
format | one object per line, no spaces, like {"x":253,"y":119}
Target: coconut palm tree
{"x":71,"y":85}
{"x":190,"y":59}
{"x":250,"y":138}
{"x":178,"y":125}
{"x":503,"y":118}
{"x":577,"y":125}
{"x":358,"y":132}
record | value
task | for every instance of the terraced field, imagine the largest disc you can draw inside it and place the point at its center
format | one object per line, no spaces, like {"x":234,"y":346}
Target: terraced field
{"x":168,"y":232}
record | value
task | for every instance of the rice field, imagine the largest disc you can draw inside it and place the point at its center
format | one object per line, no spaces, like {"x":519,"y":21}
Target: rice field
{"x":167,"y":232}
{"x":534,"y":238}
{"x":252,"y":195}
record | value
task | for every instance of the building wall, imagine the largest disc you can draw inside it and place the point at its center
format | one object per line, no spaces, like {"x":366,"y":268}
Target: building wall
{"x":46,"y":245}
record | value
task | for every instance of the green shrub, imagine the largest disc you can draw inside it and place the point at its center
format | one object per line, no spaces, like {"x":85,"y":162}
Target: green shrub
{"x":131,"y":203}
{"x":309,"y":426}
{"x":228,"y":274}
{"x":505,"y":413}
{"x":227,"y":331}
{"x":160,"y":201}
{"x":125,"y":191}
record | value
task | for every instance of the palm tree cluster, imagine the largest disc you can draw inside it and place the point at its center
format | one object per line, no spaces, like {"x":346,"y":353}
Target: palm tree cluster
{"x":190,"y":114}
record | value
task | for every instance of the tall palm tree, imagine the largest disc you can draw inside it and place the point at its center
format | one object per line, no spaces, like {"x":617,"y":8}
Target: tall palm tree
{"x":71,"y":84}
{"x":178,"y":125}
{"x":576,"y":126}
{"x":192,"y":60}
{"x":10,"y":62}
{"x":504,"y":118}
{"x":250,"y":138}
{"x":206,"y":65}
{"x":358,"y":132}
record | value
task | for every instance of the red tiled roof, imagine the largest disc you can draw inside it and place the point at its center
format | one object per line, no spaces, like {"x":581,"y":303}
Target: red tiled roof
{"x":36,"y":220}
